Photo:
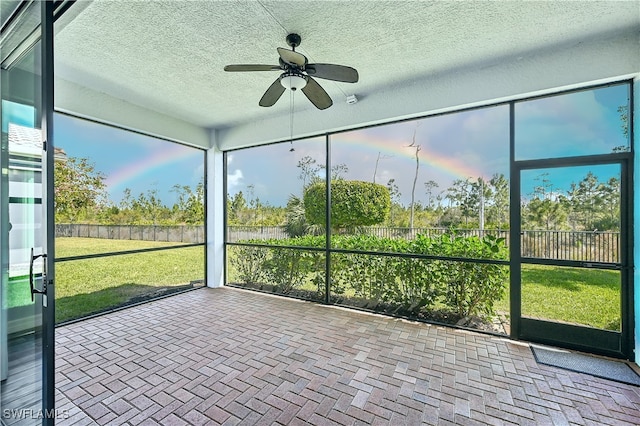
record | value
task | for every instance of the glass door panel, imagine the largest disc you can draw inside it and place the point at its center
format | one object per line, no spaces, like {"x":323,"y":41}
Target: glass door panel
{"x":26,"y":356}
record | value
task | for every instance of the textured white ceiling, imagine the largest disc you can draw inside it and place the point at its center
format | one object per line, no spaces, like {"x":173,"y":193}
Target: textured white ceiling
{"x":168,"y":56}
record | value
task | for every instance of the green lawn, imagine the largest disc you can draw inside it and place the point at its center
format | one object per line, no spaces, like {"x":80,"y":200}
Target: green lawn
{"x":574,"y":295}
{"x":588,"y":297}
{"x":88,"y":286}
{"x":67,"y":247}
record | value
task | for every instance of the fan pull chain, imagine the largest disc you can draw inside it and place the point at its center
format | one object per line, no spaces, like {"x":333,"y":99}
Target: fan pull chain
{"x":291,"y":99}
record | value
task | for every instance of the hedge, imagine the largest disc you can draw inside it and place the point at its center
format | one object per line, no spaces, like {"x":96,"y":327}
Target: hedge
{"x":465,"y":288}
{"x":353,"y":203}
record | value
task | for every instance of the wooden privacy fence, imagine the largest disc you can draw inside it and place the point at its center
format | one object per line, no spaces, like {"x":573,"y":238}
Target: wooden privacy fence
{"x":562,"y":245}
{"x":175,"y":234}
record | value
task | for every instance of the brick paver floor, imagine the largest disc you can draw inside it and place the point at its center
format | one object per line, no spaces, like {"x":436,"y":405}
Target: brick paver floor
{"x":229,"y":356}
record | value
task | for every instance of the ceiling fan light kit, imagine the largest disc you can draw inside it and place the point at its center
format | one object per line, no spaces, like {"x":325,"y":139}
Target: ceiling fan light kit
{"x":293,"y":81}
{"x":297,"y":75}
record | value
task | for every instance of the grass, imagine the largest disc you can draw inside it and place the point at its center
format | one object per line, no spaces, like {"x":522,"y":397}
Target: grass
{"x":88,"y":286}
{"x":67,"y":247}
{"x":574,"y":295}
{"x":588,"y":297}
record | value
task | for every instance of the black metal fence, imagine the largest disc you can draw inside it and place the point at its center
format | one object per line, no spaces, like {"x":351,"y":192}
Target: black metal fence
{"x":561,"y":245}
{"x":572,"y":245}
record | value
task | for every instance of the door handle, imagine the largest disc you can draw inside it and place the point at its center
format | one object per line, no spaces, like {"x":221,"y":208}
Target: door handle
{"x":34,"y":290}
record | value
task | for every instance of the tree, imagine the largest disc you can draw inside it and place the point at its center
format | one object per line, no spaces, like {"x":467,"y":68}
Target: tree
{"x":459,"y":193}
{"x":353,"y":203}
{"x":78,"y":188}
{"x":337,"y":170}
{"x":396,"y":207}
{"x":498,"y":211}
{"x":295,"y":222}
{"x":237,"y":205}
{"x":380,"y":157}
{"x":254,"y":203}
{"x":610,"y":213}
{"x":479,"y":193}
{"x":149,"y":208}
{"x":308,"y":170}
{"x":546,"y":210}
{"x":429,"y":187}
{"x":190,"y":206}
{"x":415,"y":176}
{"x":586,"y":200}
{"x":545,"y":214}
{"x":623,"y":110}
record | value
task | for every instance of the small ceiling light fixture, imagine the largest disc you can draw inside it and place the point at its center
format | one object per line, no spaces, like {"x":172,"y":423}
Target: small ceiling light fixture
{"x":293,"y":81}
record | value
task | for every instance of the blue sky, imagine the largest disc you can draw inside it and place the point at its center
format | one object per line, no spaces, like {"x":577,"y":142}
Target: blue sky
{"x":130,"y":160}
{"x":462,"y":145}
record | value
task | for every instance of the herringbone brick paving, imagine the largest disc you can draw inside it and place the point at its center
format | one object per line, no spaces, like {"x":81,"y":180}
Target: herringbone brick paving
{"x":228,"y":356}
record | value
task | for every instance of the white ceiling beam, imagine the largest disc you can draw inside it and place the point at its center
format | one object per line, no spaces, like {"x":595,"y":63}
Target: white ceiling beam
{"x":98,"y":106}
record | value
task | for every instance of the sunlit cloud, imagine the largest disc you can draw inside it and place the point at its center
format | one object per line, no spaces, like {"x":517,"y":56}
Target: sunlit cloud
{"x":234,"y":179}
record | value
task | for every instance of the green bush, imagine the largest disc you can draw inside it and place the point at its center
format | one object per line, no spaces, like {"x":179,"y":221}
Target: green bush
{"x":288,"y":268}
{"x":470,"y":288}
{"x":283,"y":268}
{"x":353,"y":203}
{"x":249,"y":263}
{"x":414,"y":284}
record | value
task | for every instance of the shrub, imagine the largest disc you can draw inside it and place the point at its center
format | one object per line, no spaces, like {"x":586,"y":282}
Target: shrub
{"x":249,"y":262}
{"x":283,"y":269}
{"x":288,"y":268}
{"x":353,"y":203}
{"x":414,"y":284}
{"x":472,"y":288}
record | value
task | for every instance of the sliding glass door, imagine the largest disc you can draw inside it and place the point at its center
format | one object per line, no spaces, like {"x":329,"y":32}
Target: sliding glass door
{"x":26,"y":156}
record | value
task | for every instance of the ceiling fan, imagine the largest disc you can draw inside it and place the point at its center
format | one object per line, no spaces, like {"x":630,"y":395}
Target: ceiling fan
{"x":297,"y":75}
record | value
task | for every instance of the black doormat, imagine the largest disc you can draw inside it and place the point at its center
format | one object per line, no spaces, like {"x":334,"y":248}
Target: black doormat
{"x":618,"y":371}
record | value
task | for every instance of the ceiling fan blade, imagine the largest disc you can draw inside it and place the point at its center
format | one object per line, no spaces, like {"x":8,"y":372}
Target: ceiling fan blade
{"x":333,"y":72}
{"x":291,"y":57}
{"x":316,"y":94}
{"x":251,"y":67}
{"x":272,"y":94}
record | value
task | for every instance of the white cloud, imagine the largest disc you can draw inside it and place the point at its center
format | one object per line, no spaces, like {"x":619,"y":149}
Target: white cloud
{"x":234,"y":179}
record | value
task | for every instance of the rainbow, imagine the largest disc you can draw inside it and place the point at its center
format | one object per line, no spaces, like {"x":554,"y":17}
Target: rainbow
{"x":389,"y":146}
{"x":134,"y":170}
